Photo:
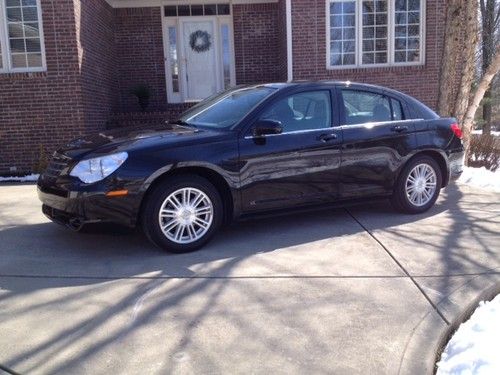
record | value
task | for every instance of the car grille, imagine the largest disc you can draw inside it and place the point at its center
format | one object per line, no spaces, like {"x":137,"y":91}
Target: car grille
{"x":57,"y":165}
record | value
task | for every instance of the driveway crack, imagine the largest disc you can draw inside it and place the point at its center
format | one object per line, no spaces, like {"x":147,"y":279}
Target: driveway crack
{"x":434,"y":306}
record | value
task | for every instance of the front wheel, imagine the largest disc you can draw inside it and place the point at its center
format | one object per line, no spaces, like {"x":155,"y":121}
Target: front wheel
{"x":418,"y":186}
{"x":182,"y":214}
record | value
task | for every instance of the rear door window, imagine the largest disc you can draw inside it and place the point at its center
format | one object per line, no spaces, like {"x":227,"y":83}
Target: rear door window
{"x":361,"y":107}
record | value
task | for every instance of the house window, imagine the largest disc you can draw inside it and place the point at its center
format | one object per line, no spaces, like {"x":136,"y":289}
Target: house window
{"x":407,"y":31}
{"x":365,"y":33}
{"x":197,"y":10}
{"x":21,"y":37}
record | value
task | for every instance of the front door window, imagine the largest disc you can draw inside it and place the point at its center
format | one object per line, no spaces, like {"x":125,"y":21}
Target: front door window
{"x":303,"y":111}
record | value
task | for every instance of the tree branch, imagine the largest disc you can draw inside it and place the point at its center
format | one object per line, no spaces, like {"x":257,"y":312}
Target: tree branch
{"x":497,"y":18}
{"x":483,"y":86}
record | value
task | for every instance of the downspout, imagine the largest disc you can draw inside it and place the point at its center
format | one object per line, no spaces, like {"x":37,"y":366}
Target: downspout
{"x":289,"y":35}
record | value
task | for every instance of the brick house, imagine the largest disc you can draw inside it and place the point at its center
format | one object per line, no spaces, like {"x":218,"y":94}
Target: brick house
{"x":67,"y":66}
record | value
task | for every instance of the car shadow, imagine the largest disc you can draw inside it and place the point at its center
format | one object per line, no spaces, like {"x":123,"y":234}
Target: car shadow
{"x":105,"y":252}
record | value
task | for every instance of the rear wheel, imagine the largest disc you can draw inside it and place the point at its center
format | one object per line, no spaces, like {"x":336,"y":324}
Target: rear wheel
{"x":182,"y":214}
{"x":418,"y":186}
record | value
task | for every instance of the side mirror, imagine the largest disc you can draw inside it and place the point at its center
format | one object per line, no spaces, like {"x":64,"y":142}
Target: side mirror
{"x":267,"y":127}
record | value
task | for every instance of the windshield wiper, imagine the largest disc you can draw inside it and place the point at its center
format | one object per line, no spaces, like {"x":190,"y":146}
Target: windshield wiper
{"x":181,"y":123}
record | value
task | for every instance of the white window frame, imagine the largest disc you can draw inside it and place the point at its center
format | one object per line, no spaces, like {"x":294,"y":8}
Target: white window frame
{"x":391,"y":27}
{"x":181,"y":96}
{"x":5,"y":45}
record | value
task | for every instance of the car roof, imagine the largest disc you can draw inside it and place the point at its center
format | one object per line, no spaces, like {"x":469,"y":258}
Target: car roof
{"x":282,"y":85}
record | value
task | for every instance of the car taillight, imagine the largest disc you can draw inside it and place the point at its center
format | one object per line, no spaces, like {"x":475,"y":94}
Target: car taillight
{"x":456,"y":130}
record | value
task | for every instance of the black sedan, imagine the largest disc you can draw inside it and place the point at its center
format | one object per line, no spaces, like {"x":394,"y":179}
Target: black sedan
{"x":251,"y":150}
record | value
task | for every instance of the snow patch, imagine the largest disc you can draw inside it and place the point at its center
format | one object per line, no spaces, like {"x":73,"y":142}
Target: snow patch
{"x":481,"y":177}
{"x":493,"y":133}
{"x":473,"y":349}
{"x":28,"y":178}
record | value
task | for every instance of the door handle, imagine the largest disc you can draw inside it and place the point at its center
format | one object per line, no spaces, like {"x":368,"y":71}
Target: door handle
{"x":327,"y":137}
{"x":399,"y":128}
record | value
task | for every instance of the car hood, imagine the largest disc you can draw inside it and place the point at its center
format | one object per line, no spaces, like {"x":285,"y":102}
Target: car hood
{"x":129,"y":139}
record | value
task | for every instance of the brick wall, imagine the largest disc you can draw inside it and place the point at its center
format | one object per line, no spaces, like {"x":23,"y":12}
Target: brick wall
{"x":98,"y":62}
{"x":309,"y":53}
{"x":140,"y":57}
{"x":257,"y":43}
{"x":282,"y":42}
{"x":43,"y":109}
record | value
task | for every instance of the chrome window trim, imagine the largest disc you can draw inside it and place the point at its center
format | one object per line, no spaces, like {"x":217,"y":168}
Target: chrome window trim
{"x":380,"y":123}
{"x":334,"y":128}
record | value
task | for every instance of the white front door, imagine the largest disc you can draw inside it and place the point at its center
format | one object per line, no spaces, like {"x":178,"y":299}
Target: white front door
{"x":201,"y":73}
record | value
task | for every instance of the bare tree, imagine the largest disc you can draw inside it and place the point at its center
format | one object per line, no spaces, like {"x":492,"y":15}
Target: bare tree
{"x":490,"y":20}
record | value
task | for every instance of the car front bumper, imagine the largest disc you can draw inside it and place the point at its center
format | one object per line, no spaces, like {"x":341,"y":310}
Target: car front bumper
{"x":77,"y":207}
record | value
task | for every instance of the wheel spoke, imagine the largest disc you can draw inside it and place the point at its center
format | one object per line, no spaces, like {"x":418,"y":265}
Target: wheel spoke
{"x":185,"y":197}
{"x":179,"y":232}
{"x":170,"y":225}
{"x":203,"y":210}
{"x":174,"y":202}
{"x":168,"y":213}
{"x":197,"y":200}
{"x":201,"y":223}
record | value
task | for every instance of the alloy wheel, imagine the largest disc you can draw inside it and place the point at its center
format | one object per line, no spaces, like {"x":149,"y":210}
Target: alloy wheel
{"x":186,"y":215}
{"x":420,"y":185}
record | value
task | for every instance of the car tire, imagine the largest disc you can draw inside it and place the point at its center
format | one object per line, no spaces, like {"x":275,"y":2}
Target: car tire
{"x":171,"y":208}
{"x":418,"y":185}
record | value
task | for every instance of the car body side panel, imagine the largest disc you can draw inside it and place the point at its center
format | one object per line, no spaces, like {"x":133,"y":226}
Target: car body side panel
{"x":372,"y":156}
{"x":288,"y":170}
{"x":373,"y":153}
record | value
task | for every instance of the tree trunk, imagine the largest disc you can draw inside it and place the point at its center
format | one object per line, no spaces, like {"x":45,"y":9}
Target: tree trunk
{"x":484,"y":84}
{"x":457,"y":67}
{"x":451,"y":57}
{"x":468,"y":50}
{"x":487,"y":111}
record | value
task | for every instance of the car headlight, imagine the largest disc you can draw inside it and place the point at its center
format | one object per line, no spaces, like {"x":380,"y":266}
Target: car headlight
{"x":96,"y":169}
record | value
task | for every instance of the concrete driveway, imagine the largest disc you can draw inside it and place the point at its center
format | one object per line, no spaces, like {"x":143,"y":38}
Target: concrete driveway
{"x":357,"y":290}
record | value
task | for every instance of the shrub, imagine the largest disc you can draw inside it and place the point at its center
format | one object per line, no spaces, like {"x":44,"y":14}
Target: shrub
{"x":142,"y":93}
{"x":40,"y":165}
{"x":484,"y":151}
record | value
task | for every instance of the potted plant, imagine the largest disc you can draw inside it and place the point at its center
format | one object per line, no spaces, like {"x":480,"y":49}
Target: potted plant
{"x":142,"y":93}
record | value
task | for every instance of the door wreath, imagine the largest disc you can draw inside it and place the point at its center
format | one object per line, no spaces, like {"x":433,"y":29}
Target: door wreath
{"x":200,"y":41}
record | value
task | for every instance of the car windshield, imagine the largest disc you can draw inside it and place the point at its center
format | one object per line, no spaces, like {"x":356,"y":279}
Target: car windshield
{"x":226,"y":109}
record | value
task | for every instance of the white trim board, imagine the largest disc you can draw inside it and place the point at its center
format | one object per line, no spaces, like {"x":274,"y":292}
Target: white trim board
{"x":289,"y":41}
{"x":156,"y":3}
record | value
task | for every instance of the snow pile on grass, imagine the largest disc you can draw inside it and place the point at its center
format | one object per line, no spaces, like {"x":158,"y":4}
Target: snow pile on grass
{"x":481,"y":177}
{"x":474,"y":348}
{"x":29,"y":178}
